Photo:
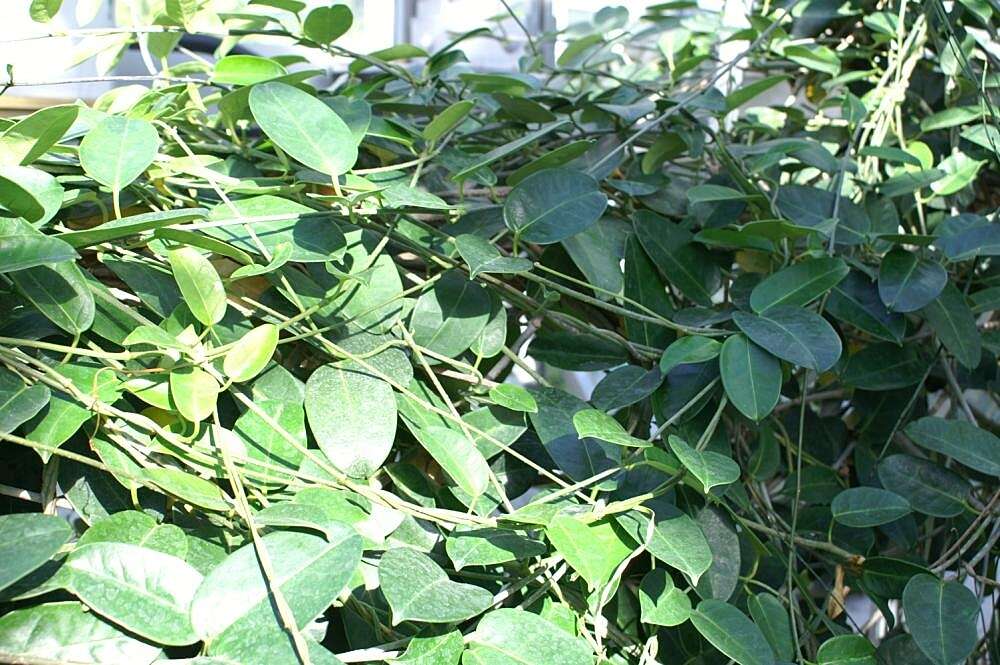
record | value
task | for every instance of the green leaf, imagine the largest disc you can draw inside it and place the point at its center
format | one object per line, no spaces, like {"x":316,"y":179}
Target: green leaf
{"x":417,"y":589}
{"x":482,"y":256}
{"x":448,"y":318}
{"x":974,"y":447}
{"x":751,"y":376}
{"x":189,"y":488}
{"x":143,"y":590}
{"x":352,"y":414}
{"x":325,"y":25}
{"x":28,"y":540}
{"x":552,"y":205}
{"x":137,"y":528}
{"x":488,"y":546}
{"x":507,"y":148}
{"x":599,"y":425}
{"x":930,"y":488}
{"x":625,"y":386}
{"x":732,"y":633}
{"x":30,"y":138}
{"x":23,"y":246}
{"x":118,"y":149}
{"x":816,"y":57}
{"x":30,"y":193}
{"x":861,"y":507}
{"x":884,"y":366}
{"x":60,"y":292}
{"x":799,"y":284}
{"x":711,"y":469}
{"x":194,"y":392}
{"x":682,"y":262}
{"x":941,"y":616}
{"x":799,"y":336}
{"x":131,"y":225}
{"x":233,"y":609}
{"x":846,"y":650}
{"x":950,"y":317}
{"x":199,"y":284}
{"x":515,"y":636}
{"x":458,"y":457}
{"x":772,"y":619}
{"x":447,"y":120}
{"x":251,"y":354}
{"x":267,"y":222}
{"x":246,"y":70}
{"x":677,"y":541}
{"x":593,"y":549}
{"x":67,"y":632}
{"x":856,"y":301}
{"x":19,"y":402}
{"x":44,"y":11}
{"x":443,"y":649}
{"x":660,"y":602}
{"x":689,"y":349}
{"x":304,"y":127}
{"x":906,"y":282}
{"x":513,"y":397}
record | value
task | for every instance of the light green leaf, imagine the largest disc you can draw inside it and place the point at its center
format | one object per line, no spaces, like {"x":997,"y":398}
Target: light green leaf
{"x":23,"y":246}
{"x":189,"y":488}
{"x":592,"y":549}
{"x":352,"y":414}
{"x":508,"y":635}
{"x":447,"y":119}
{"x":458,"y":457}
{"x":513,"y":397}
{"x":67,"y":632}
{"x":304,"y":127}
{"x":482,"y":256}
{"x":194,"y":392}
{"x":234,"y":610}
{"x":30,"y":138}
{"x":417,"y":589}
{"x":488,"y":546}
{"x":199,"y":284}
{"x":324,"y":25}
{"x":143,"y":590}
{"x":689,"y":349}
{"x":118,"y":149}
{"x":711,"y":469}
{"x":251,"y":354}
{"x":660,"y":602}
{"x":599,"y":425}
{"x":30,"y":193}
{"x":246,"y":70}
{"x":846,"y":650}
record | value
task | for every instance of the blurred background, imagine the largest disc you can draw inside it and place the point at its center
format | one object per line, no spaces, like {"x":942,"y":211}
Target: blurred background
{"x":38,"y":53}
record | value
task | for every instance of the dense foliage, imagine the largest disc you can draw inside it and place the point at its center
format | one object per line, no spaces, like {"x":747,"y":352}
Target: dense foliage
{"x":283,"y":367}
